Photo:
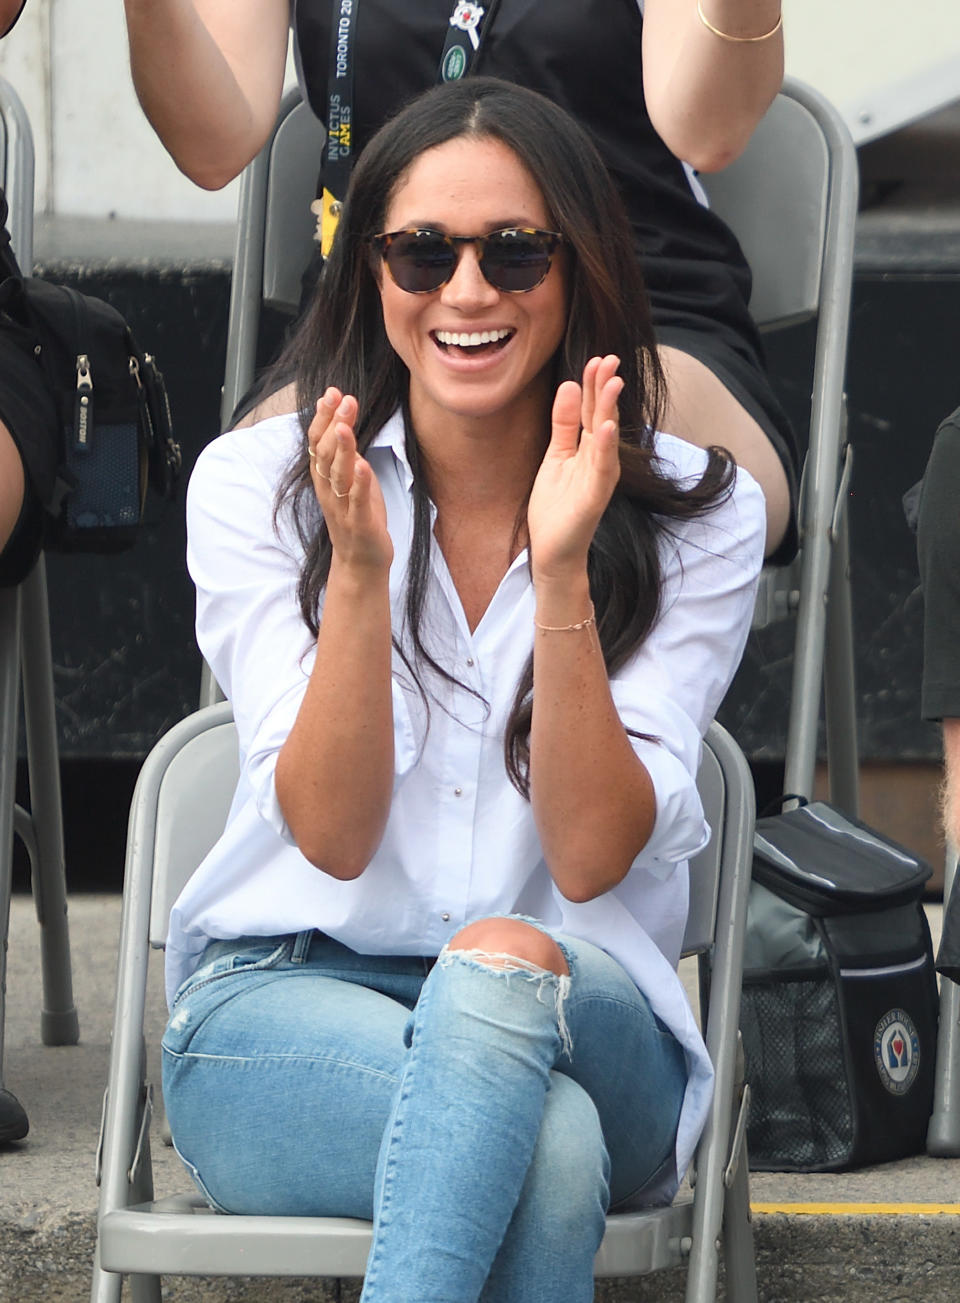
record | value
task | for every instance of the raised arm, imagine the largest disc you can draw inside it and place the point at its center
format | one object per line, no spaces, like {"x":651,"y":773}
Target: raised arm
{"x":334,"y":773}
{"x":704,"y":93}
{"x":209,"y":74}
{"x":599,"y":795}
{"x":592,"y":797}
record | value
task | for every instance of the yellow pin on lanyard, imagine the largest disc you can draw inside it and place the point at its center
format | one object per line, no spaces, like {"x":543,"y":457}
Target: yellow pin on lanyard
{"x":327,"y":212}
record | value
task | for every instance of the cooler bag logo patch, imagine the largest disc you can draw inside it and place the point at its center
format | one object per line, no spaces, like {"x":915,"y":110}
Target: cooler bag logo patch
{"x":896,"y":1050}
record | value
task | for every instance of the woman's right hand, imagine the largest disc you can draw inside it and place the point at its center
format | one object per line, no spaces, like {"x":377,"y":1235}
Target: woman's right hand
{"x":346,"y":487}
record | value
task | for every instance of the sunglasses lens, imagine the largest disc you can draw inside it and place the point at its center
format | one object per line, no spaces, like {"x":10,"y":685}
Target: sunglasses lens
{"x":516,"y":261}
{"x":420,"y":261}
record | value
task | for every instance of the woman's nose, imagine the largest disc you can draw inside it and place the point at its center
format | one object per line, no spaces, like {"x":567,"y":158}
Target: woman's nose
{"x":468,"y":286}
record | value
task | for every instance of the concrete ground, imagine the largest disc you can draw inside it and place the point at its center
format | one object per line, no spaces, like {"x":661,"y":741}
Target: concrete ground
{"x":48,"y":1196}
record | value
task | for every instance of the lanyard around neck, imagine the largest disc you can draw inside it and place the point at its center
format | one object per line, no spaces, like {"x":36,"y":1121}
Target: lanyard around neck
{"x":339,"y":160}
{"x":466,"y":28}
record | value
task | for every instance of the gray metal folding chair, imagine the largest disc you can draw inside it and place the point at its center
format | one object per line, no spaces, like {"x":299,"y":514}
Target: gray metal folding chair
{"x":25,"y":654}
{"x":178,"y":811}
{"x":791,"y":199}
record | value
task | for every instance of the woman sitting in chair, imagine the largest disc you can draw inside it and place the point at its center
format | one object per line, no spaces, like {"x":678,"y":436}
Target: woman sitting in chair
{"x":473,"y":616}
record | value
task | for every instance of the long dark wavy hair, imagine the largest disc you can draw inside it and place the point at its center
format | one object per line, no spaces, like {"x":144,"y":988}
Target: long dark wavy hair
{"x":341,"y":341}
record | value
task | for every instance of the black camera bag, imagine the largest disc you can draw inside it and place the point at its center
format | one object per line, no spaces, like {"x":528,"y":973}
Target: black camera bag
{"x":839,"y":1007}
{"x":116,"y":435}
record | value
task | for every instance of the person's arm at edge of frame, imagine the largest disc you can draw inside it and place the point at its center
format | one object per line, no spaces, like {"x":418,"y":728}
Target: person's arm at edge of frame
{"x":209,"y":76}
{"x":334,"y":774}
{"x":10,"y":11}
{"x":592,"y":798}
{"x":705,"y":95}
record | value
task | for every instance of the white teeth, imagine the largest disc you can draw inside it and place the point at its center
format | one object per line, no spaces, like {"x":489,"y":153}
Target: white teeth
{"x":464,"y":340}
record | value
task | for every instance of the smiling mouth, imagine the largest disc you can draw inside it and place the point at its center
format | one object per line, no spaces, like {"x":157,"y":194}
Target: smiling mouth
{"x":472,"y":343}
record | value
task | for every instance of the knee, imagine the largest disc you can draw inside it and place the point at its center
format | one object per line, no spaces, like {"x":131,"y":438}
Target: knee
{"x":567,"y":1186}
{"x":495,"y":941}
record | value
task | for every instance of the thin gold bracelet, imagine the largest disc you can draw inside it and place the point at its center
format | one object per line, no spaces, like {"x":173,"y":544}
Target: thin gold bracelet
{"x":568,"y":628}
{"x":739,"y":40}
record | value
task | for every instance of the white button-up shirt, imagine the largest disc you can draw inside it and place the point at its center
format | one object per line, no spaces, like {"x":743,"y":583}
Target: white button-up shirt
{"x":460,"y":841}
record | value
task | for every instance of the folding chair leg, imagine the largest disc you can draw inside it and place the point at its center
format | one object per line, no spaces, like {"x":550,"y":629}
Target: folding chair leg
{"x":107,"y":1285}
{"x":145,"y":1289}
{"x":839,"y":680}
{"x":943,"y":1134}
{"x":58,"y":1019}
{"x":9,"y":706}
{"x":738,"y":1254}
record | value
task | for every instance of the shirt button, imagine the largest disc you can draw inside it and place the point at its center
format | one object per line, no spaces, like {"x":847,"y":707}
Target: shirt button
{"x":445,"y":917}
{"x":470,"y":661}
{"x":458,"y":791}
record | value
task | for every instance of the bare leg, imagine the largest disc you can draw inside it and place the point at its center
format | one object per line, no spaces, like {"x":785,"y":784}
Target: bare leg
{"x":700,"y":410}
{"x":497,"y":941}
{"x":11,"y":485}
{"x":950,"y":791}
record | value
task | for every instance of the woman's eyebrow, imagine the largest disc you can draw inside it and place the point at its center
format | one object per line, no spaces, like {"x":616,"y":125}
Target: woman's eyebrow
{"x":486,"y":228}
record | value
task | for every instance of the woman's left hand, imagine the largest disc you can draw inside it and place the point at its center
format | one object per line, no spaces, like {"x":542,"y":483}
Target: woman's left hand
{"x":579,"y":471}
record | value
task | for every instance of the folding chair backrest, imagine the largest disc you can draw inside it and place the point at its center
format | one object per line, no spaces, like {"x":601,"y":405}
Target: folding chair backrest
{"x":192,"y":805}
{"x":295,"y":155}
{"x":774,"y":197}
{"x":791,"y":199}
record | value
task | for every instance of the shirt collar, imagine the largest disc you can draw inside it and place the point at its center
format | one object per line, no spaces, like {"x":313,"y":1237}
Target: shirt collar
{"x":392,"y":438}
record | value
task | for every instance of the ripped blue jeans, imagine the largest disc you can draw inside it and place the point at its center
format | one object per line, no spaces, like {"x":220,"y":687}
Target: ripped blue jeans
{"x":483,"y":1117}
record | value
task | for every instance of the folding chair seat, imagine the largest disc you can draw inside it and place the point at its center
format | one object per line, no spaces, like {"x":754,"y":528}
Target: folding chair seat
{"x":25,"y":656}
{"x":178,"y":811}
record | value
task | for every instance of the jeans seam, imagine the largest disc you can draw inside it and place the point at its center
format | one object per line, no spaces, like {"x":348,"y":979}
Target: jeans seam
{"x":383,"y":1213}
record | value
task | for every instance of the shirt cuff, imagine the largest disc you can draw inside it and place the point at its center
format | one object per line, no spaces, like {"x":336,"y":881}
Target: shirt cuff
{"x":680,"y":830}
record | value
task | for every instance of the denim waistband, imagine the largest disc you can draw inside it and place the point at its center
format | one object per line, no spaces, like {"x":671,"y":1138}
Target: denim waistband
{"x":300,"y":944}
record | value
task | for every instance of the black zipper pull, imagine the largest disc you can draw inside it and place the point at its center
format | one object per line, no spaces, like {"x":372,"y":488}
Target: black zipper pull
{"x":143,"y":403}
{"x":83,"y":405}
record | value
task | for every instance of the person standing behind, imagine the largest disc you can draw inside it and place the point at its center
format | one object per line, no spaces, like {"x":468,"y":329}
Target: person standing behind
{"x":28,"y":460}
{"x":654,"y":82}
{"x":28,"y":424}
{"x":938,"y":551}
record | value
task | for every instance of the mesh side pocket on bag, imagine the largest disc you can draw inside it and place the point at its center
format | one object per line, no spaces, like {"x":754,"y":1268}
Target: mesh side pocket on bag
{"x":801,"y":1116}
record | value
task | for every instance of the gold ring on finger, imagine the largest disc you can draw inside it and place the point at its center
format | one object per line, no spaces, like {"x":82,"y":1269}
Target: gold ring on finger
{"x":340,"y":495}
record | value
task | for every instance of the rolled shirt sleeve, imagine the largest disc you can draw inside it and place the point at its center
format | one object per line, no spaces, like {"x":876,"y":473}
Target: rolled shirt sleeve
{"x":672,"y":687}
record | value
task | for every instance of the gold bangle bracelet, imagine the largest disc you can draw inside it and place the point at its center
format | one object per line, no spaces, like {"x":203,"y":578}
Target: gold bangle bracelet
{"x":738,"y":40}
